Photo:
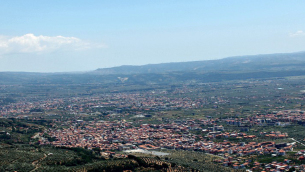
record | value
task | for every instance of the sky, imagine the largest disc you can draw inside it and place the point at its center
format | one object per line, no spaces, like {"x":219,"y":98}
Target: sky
{"x":75,"y":35}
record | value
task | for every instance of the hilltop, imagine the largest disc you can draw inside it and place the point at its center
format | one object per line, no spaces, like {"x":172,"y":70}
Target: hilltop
{"x":231,"y":68}
{"x":266,"y":62}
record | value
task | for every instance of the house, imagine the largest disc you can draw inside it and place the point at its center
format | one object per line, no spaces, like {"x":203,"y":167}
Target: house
{"x":281,"y":152}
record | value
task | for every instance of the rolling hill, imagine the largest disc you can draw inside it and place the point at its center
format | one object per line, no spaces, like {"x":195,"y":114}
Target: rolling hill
{"x":266,"y":62}
{"x":231,"y":68}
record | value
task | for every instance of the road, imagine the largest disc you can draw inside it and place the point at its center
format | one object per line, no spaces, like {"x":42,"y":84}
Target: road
{"x":297,"y":141}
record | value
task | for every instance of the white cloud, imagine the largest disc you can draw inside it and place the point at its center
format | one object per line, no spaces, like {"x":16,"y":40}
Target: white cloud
{"x":29,"y":43}
{"x":297,"y":34}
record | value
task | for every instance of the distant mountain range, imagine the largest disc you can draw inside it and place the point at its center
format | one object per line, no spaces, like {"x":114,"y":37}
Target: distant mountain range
{"x":266,"y":62}
{"x":231,"y":68}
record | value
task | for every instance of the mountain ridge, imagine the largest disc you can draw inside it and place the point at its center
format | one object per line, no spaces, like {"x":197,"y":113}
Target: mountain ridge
{"x":278,"y":61}
{"x":232,"y":68}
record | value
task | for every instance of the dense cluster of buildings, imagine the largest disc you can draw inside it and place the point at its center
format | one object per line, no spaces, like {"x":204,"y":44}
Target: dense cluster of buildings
{"x":149,"y":101}
{"x":273,"y":166}
{"x":122,"y":135}
{"x":277,"y":118}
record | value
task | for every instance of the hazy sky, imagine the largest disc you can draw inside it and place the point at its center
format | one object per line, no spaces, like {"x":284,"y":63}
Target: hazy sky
{"x":74,"y":35}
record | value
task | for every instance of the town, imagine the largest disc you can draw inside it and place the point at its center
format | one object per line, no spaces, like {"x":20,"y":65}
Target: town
{"x":183,"y":118}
